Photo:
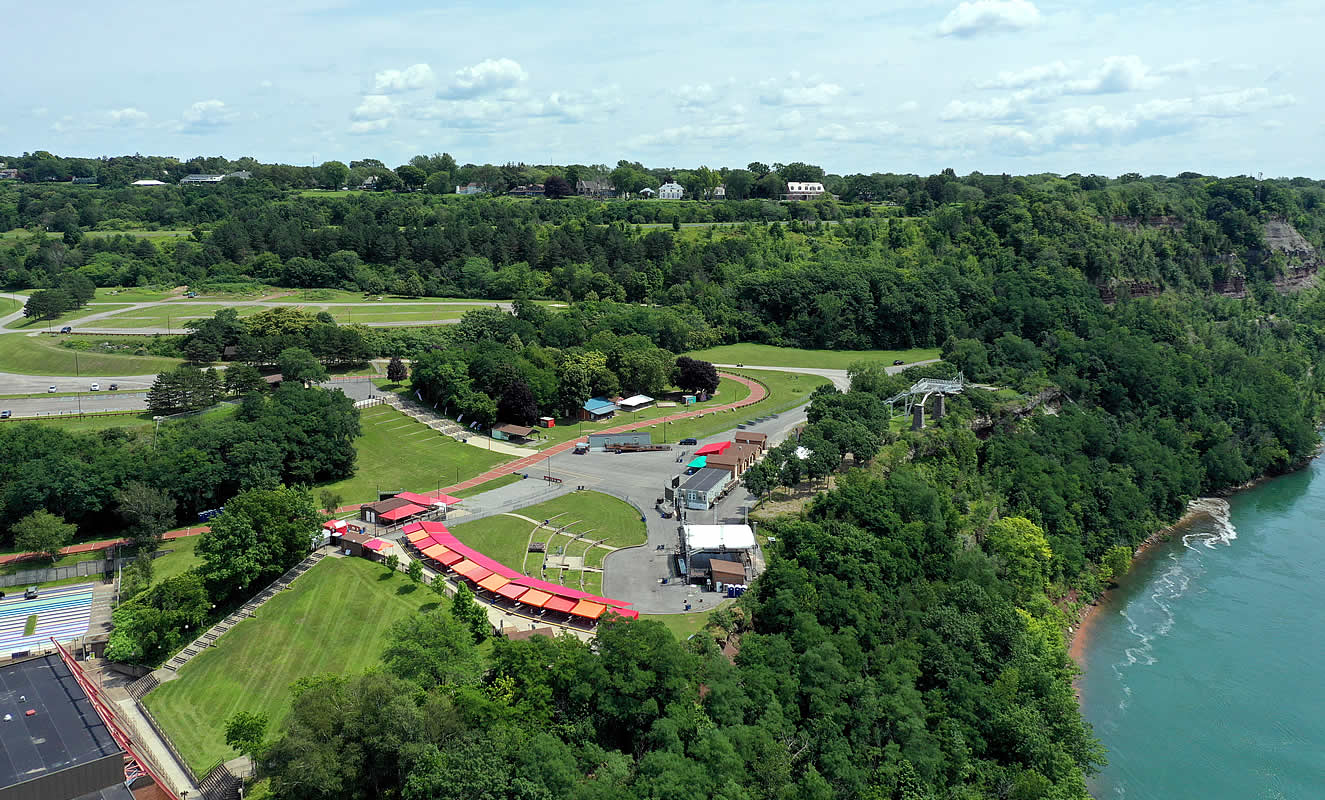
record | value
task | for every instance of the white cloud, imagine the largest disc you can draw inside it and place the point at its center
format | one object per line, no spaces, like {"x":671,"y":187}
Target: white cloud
{"x":1030,"y":76}
{"x":978,"y":17}
{"x":485,"y":77}
{"x":794,"y":92}
{"x":206,"y":115}
{"x":695,"y":98}
{"x":908,"y":107}
{"x":401,"y":80}
{"x":369,"y":126}
{"x":857,"y":132}
{"x":374,"y":107}
{"x":684,"y":134}
{"x":126,"y":116}
{"x":997,"y":108}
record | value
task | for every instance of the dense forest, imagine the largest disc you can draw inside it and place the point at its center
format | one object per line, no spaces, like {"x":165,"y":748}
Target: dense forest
{"x":1162,"y":338}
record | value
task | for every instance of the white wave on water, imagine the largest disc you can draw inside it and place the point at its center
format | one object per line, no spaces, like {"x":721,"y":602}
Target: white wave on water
{"x":1151,"y":617}
{"x":1220,"y":514}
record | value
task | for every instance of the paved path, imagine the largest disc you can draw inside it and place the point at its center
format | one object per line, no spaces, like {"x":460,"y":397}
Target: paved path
{"x":757,"y":393}
{"x":162,"y":759}
{"x":839,"y":377}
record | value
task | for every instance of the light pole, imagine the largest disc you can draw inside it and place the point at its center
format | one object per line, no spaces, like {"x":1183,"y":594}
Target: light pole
{"x":156,"y":429}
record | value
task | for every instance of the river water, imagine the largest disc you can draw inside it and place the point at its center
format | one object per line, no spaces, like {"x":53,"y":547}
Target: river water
{"x":1205,"y":670}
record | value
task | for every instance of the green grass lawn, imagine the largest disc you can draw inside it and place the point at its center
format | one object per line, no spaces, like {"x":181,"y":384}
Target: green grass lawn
{"x":768,"y":356}
{"x":129,"y":421}
{"x":182,"y":557}
{"x":395,"y":452}
{"x":173,"y":314}
{"x":366,"y":313}
{"x":334,"y":618}
{"x":132,"y":294}
{"x":161,"y":235}
{"x":683,"y":626}
{"x":42,"y":355}
{"x":598,"y":516}
{"x":25,"y":324}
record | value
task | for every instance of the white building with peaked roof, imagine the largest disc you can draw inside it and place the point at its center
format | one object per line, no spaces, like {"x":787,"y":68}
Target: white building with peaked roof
{"x":803,"y":190}
{"x":670,"y":191}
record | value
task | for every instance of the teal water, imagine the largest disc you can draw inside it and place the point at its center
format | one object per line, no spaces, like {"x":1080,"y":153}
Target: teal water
{"x":1205,"y":671}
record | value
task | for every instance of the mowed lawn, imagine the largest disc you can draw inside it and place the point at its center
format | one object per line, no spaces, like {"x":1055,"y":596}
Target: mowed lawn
{"x":334,"y":618}
{"x":765,"y":355}
{"x":42,"y":355}
{"x":27,"y":324}
{"x":173,"y":315}
{"x":396,"y":453}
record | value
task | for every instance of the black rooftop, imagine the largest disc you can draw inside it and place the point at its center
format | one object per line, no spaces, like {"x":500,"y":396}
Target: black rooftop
{"x":65,"y":731}
{"x":706,"y":479}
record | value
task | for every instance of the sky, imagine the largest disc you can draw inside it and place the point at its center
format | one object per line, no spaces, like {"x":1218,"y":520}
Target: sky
{"x":1019,"y":86}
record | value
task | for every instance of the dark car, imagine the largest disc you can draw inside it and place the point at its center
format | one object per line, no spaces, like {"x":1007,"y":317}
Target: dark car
{"x":897,"y":362}
{"x":689,"y":441}
{"x":67,"y":329}
{"x":114,"y":387}
{"x":30,"y":593}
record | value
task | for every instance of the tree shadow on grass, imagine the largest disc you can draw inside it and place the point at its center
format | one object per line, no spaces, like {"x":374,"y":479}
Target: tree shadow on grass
{"x":408,"y":588}
{"x":426,"y":607}
{"x":386,"y":576}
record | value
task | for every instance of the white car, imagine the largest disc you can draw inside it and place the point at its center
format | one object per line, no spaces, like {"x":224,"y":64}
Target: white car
{"x":50,"y":389}
{"x":96,"y":387}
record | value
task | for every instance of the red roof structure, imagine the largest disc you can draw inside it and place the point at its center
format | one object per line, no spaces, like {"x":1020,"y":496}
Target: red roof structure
{"x":493,"y":582}
{"x":562,"y":604}
{"x":512,"y":591}
{"x":435,"y":551}
{"x":536,"y":598}
{"x":375,"y":544}
{"x":588,"y":610}
{"x":712,"y":449}
{"x":404,"y":512}
{"x":417,"y":535}
{"x":419,"y":499}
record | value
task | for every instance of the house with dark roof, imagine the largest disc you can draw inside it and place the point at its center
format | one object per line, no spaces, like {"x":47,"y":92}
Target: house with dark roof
{"x":704,"y":488}
{"x":527,"y":190}
{"x":600,"y":189}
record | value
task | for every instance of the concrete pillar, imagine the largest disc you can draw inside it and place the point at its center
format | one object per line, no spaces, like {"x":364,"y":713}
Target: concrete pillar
{"x":918,"y":417}
{"x":939,"y":410}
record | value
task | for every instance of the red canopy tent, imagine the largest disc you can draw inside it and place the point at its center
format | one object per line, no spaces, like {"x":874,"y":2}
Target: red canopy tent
{"x":464,"y":567}
{"x":562,"y":604}
{"x":432,"y":527}
{"x":566,"y":591}
{"x":418,"y":499}
{"x":535,"y":598}
{"x":375,"y":544}
{"x":712,"y":449}
{"x":449,"y":557}
{"x":479,"y":573}
{"x":413,"y":527}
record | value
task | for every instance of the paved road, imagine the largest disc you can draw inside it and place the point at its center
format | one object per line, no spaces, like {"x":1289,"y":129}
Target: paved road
{"x":16,"y":383}
{"x":86,"y":403}
{"x":839,"y":377}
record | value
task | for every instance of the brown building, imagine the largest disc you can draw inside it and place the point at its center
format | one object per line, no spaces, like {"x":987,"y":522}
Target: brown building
{"x":759,"y":440}
{"x":723,"y":571}
{"x":735,"y":459}
{"x":372,"y":512}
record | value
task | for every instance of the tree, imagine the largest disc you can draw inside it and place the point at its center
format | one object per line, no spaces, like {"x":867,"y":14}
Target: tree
{"x":185,"y":388}
{"x":469,"y":613}
{"x":392,"y":562}
{"x":159,"y":620}
{"x":43,"y":532}
{"x":517,"y":404}
{"x":244,"y":732}
{"x":411,"y":176}
{"x":396,"y":371}
{"x":438,"y":183}
{"x":299,"y":365}
{"x":738,"y":183}
{"x":760,"y":478}
{"x":150,"y":512}
{"x":695,"y":375}
{"x":415,"y":570}
{"x":261,"y":534}
{"x":432,"y":649}
{"x":332,"y":174}
{"x":240,"y":379}
{"x":1021,"y":549}
{"x":556,"y":187}
{"x":329,"y":500}
{"x":47,"y":304}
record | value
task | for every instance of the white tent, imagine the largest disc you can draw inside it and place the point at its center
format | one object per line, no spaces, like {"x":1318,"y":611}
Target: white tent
{"x":148,"y":182}
{"x":718,"y":537}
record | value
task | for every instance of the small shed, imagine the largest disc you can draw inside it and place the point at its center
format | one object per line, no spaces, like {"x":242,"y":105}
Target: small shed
{"x":353,"y":543}
{"x":373,"y":512}
{"x":506,"y":432}
{"x":636,"y":402}
{"x":597,"y":408}
{"x":735,"y":459}
{"x":547,"y":422}
{"x":725,"y":571}
{"x":759,"y":440}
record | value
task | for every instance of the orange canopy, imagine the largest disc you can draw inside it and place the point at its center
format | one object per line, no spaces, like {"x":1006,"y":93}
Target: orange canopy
{"x":493,"y":582}
{"x":435,"y":551}
{"x":535,"y":597}
{"x":588,"y":610}
{"x":418,"y":535}
{"x":450,"y":557}
{"x":464,"y":567}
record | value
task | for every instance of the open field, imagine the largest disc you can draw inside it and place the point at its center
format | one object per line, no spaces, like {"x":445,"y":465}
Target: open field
{"x":334,"y":618}
{"x":172,"y":315}
{"x":369,"y":312}
{"x":768,"y":356}
{"x":595,"y":515}
{"x":683,"y":626}
{"x":182,"y":557}
{"x":128,"y":421}
{"x":25,"y":324}
{"x":395,"y":452}
{"x":42,"y":355}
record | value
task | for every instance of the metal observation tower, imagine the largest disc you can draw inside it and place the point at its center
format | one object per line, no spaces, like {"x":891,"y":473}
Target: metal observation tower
{"x":912,"y":401}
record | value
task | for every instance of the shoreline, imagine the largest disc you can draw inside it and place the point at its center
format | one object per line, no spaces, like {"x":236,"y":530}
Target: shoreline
{"x":1078,"y":633}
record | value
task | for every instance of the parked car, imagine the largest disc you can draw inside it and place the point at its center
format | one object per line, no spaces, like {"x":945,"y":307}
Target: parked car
{"x":113,"y":387}
{"x":50,"y":389}
{"x":30,"y":593}
{"x":6,"y":414}
{"x":67,"y":329}
{"x":689,"y":441}
{"x":96,"y":387}
{"x":897,"y":362}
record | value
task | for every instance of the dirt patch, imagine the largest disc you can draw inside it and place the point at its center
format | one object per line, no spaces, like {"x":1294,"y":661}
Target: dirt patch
{"x":791,"y":501}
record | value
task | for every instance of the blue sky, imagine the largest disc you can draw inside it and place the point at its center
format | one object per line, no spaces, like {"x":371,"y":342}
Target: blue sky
{"x":912,"y":86}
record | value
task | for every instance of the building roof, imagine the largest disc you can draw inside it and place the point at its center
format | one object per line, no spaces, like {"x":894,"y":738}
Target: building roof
{"x":699,"y":462}
{"x":517,"y":635}
{"x":401,"y":512}
{"x":420,"y":499}
{"x":714,"y":537}
{"x":199,"y":177}
{"x":804,"y":186}
{"x":65,"y":730}
{"x":713,"y":449}
{"x":513,"y":430}
{"x":749,"y":436}
{"x":599,"y":405}
{"x":706,"y":480}
{"x":636,"y":400}
{"x":356,"y":538}
{"x":382,"y":506}
{"x":733,"y":455}
{"x":727,"y":571}
{"x":647,"y":190}
{"x":148,"y":182}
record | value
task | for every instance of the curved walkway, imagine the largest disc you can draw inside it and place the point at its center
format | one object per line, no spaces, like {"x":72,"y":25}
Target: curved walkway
{"x":757,"y":393}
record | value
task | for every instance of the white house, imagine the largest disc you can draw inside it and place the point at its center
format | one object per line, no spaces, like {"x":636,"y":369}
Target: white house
{"x":803,"y":190}
{"x":470,"y":188}
{"x":720,"y":193}
{"x":670,"y":191}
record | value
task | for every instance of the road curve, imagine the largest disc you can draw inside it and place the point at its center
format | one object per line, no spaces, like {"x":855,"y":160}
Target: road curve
{"x":839,"y":377}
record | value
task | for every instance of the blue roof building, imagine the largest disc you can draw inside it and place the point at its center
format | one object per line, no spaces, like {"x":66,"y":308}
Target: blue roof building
{"x":597,"y":408}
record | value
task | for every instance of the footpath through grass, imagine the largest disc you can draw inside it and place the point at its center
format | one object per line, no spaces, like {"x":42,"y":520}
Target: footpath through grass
{"x":334,"y":618}
{"x":594,"y":515}
{"x":395,"y":452}
{"x":765,"y":355}
{"x":42,"y":355}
